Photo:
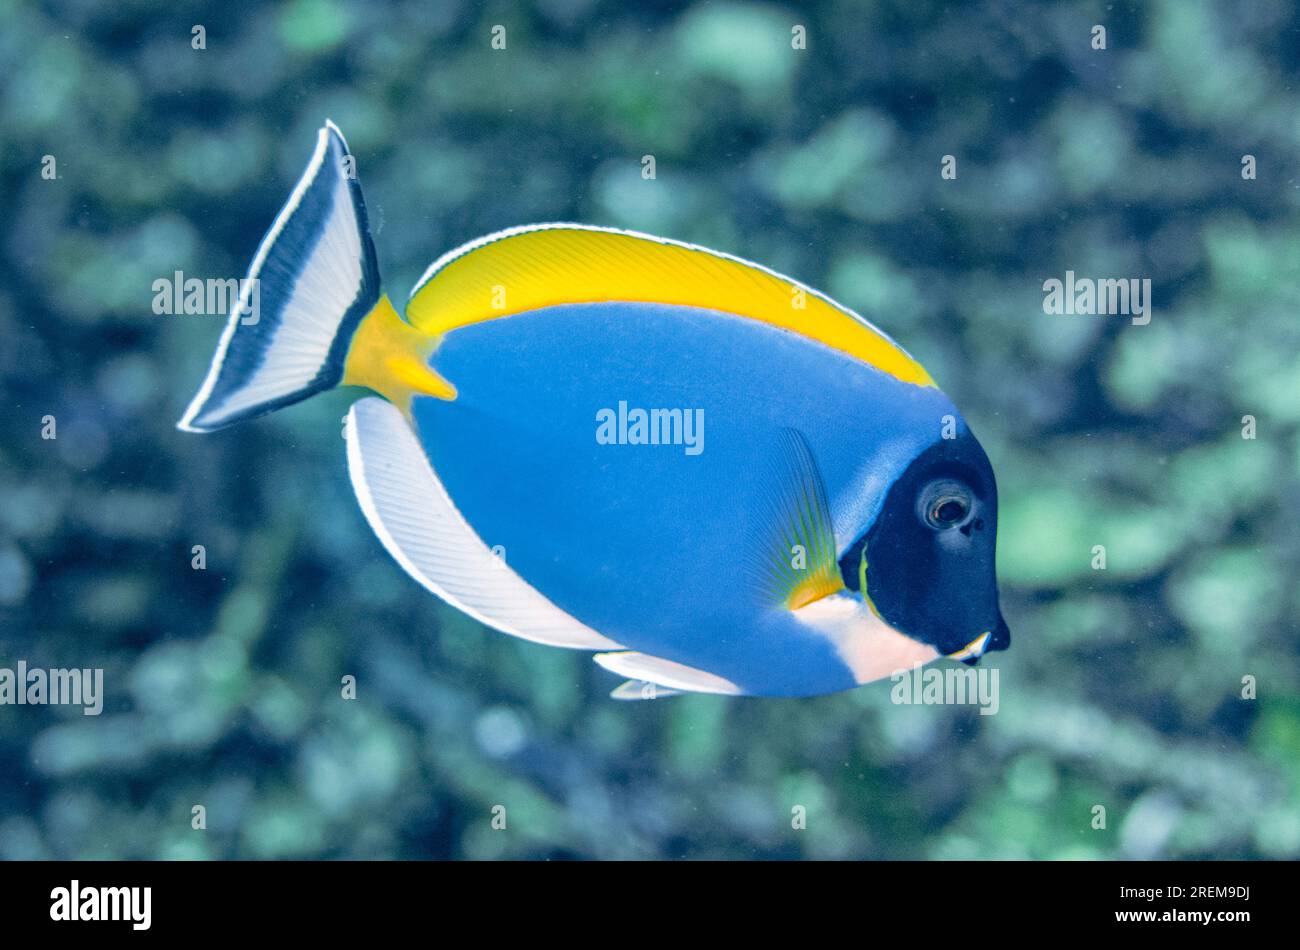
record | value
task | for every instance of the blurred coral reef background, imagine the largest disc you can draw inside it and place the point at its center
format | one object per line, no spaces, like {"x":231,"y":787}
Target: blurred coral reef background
{"x":1122,"y":688}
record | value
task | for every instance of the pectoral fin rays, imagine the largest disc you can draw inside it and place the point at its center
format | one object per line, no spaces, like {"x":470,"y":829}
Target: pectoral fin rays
{"x":791,"y":562}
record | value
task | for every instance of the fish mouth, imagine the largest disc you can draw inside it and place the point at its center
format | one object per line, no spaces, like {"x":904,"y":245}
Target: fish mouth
{"x":973,"y":650}
{"x":999,"y":638}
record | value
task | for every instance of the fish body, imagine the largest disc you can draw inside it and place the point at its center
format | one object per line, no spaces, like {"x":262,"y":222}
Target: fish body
{"x":604,"y":440}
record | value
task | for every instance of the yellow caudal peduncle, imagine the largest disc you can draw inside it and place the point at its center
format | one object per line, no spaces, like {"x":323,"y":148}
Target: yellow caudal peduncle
{"x":390,"y":356}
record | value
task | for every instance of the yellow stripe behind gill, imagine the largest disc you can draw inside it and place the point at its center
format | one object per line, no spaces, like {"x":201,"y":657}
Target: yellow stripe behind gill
{"x":862,"y":585}
{"x":390,"y":356}
{"x":533,"y":268}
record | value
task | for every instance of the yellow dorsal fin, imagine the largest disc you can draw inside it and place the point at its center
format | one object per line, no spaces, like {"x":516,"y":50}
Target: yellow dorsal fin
{"x":544,"y":265}
{"x":390,"y":356}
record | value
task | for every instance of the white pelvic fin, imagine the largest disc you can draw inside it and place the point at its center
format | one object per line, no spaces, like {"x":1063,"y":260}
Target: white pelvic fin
{"x":410,"y":511}
{"x":640,"y":689}
{"x":312,"y":281}
{"x":665,"y":673}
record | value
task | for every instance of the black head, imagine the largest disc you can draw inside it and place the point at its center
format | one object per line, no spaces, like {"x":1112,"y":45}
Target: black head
{"x":928,"y":559}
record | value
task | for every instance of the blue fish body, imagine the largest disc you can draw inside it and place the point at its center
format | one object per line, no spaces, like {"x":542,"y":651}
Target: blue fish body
{"x":639,"y":541}
{"x":719,"y":478}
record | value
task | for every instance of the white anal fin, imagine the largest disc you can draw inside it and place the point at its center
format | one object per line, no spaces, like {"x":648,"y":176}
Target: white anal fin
{"x":663,"y":673}
{"x":410,"y":511}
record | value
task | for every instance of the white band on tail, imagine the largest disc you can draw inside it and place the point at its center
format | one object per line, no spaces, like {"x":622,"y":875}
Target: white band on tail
{"x":315,"y":277}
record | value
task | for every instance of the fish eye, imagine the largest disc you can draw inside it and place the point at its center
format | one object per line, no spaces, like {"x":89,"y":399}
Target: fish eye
{"x":945,"y":504}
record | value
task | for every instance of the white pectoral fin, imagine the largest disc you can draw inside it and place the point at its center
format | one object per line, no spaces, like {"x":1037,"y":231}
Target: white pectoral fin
{"x":868,"y":646}
{"x":411,"y":512}
{"x":662,"y":674}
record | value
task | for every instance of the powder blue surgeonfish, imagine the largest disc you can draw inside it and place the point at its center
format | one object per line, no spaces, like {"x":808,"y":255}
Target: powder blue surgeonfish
{"x":715,"y":477}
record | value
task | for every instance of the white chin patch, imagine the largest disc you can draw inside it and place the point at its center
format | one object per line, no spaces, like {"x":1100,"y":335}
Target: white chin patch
{"x":869,"y":647}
